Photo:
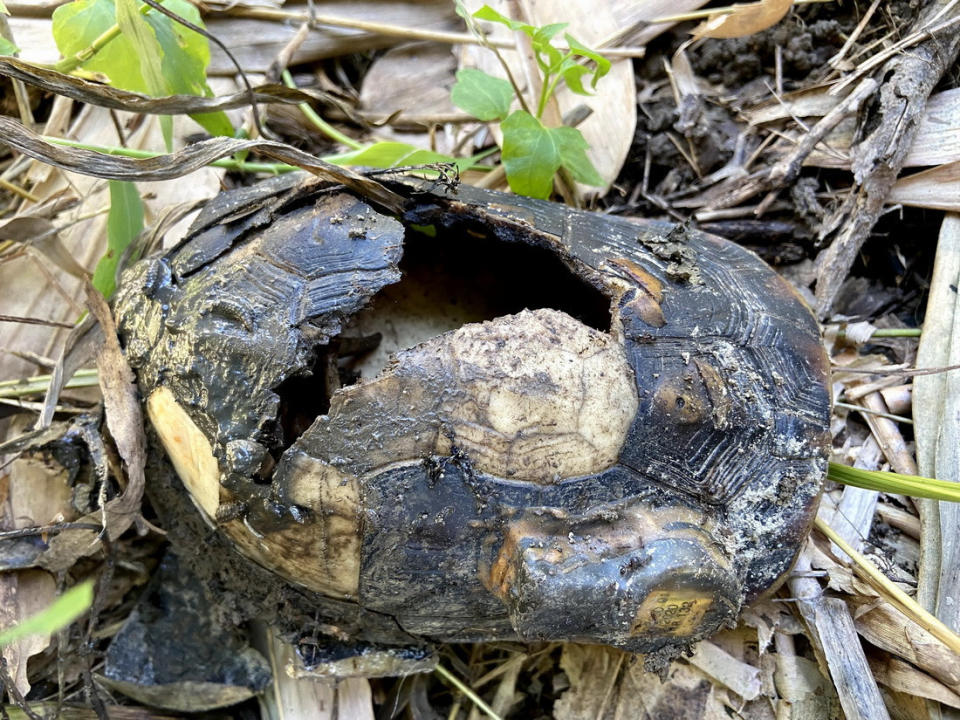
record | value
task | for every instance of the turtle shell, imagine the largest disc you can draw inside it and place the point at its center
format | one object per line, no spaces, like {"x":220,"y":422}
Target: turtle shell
{"x":490,"y":418}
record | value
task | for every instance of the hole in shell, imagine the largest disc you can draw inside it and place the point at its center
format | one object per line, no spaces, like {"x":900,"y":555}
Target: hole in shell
{"x":448,"y":280}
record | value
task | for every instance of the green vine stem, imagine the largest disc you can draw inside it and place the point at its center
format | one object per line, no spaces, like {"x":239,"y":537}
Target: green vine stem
{"x":228,"y":163}
{"x":321,"y":124}
{"x":68,"y":65}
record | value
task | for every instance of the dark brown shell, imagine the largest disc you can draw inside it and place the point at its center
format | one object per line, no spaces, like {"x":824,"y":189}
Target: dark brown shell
{"x":627,"y":458}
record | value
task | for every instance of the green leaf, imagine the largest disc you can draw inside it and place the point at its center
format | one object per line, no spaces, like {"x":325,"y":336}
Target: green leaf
{"x":543,"y":35}
{"x":7,"y":47}
{"x":177,"y":54}
{"x":146,"y":47}
{"x":488,"y":13}
{"x":3,"y":8}
{"x":483,"y":96}
{"x":124,"y":223}
{"x":387,"y":155}
{"x":572,"y":148}
{"x":548,"y":58}
{"x":573,"y":77}
{"x":63,"y":611}
{"x":149,"y":56}
{"x":530,"y":155}
{"x":602,"y":65}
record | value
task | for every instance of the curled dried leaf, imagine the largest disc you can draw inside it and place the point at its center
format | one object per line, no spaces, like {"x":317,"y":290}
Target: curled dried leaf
{"x":110,"y":97}
{"x":193,"y":157}
{"x":744,"y":19}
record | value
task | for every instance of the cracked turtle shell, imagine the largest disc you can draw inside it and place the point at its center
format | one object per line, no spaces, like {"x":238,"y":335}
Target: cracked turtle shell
{"x":489,"y":418}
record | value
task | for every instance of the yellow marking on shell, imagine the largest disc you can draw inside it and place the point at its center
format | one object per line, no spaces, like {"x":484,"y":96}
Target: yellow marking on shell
{"x":671,"y":612}
{"x":591,"y":540}
{"x":334,"y":500}
{"x":322,"y":554}
{"x":646,"y":303}
{"x":188,"y":450}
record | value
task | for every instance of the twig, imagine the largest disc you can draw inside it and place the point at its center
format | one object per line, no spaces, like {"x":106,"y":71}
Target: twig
{"x":34,"y":321}
{"x":899,"y":370}
{"x":878,"y":413}
{"x":911,"y":39}
{"x":879,"y":157}
{"x":788,"y":169}
{"x":888,"y":590}
{"x":857,"y":31}
{"x":400,"y":31}
{"x":16,"y":189}
{"x":44,"y":530}
{"x":15,"y":695}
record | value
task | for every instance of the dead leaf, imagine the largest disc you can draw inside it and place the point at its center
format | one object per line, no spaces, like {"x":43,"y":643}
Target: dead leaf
{"x":31,"y":493}
{"x":110,"y":97}
{"x":124,"y":416}
{"x":413,"y":79}
{"x":41,"y":235}
{"x":124,"y":420}
{"x":23,"y":594}
{"x":896,"y":674}
{"x":593,"y":671}
{"x":745,"y":19}
{"x":191,"y":158}
{"x":937,"y":188}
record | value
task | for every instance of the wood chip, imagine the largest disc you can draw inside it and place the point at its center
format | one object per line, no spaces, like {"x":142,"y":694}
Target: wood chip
{"x":886,"y":627}
{"x":740,"y":677}
{"x":905,"y":678}
{"x":834,"y":634}
{"x":291,"y":698}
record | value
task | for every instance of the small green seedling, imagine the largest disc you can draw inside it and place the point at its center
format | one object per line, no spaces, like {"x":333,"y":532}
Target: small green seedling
{"x":532,"y":152}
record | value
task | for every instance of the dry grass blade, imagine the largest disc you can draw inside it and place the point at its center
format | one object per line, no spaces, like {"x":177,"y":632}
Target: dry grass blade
{"x":885,"y":627}
{"x":193,"y":157}
{"x":106,"y":96}
{"x":466,"y":690}
{"x":887,"y":589}
{"x":937,"y":188}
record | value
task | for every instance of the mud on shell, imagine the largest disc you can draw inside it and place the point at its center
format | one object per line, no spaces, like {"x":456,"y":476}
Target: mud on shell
{"x":491,"y":418}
